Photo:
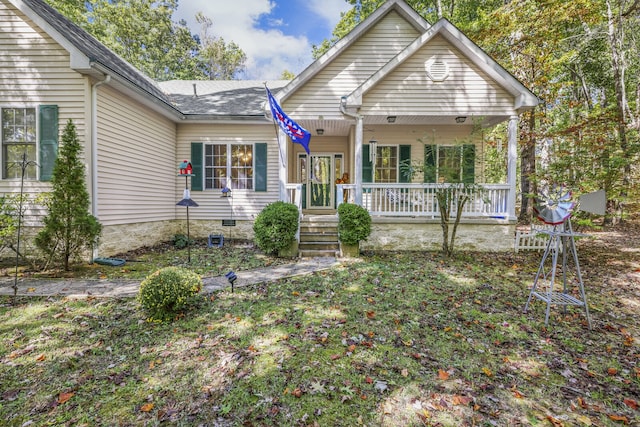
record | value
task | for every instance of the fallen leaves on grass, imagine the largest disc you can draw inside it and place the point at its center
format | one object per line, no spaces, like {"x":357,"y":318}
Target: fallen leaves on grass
{"x":64,"y":397}
{"x":147,"y":407}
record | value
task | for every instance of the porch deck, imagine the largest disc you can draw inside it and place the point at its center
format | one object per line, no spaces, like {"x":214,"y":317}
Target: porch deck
{"x":417,"y":200}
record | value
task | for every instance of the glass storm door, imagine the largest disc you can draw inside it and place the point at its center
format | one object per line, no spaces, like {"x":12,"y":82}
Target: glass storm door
{"x":320,"y":187}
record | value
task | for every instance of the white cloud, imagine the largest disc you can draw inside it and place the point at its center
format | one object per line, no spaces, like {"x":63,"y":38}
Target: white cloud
{"x":269,"y":51}
{"x":329,"y":10}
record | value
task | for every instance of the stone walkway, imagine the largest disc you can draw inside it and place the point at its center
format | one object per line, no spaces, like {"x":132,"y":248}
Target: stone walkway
{"x":129,"y":288}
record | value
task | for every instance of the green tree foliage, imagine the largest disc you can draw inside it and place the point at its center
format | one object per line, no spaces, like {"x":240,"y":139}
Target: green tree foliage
{"x":222,"y":61}
{"x":69,"y":228}
{"x":143,"y":33}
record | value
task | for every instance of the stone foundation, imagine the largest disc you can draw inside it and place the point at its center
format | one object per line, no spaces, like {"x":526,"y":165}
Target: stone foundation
{"x":122,"y":238}
{"x":417,"y":234}
{"x":386,"y":234}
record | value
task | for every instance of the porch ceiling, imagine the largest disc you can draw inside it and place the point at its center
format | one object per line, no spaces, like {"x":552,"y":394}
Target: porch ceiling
{"x":341,"y":127}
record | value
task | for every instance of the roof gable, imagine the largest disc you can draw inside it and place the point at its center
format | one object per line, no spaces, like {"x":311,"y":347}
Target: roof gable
{"x":398,"y":6}
{"x":524,"y":98}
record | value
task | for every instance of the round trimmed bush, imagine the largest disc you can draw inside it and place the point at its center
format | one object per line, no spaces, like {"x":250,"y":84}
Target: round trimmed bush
{"x":164,"y":293}
{"x":276,"y":226}
{"x":354,"y":223}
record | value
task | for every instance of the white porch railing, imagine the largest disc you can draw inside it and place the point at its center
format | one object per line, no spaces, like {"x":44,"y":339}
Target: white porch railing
{"x":420,"y":199}
{"x":294,"y":195}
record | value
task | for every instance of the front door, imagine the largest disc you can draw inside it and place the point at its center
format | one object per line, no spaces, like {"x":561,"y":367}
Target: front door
{"x":320,"y":187}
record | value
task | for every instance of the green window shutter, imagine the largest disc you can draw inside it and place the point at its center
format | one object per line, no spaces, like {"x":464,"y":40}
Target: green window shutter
{"x":197,"y":163}
{"x":430,"y":166}
{"x":367,"y":167}
{"x":405,"y":158}
{"x":468,"y":163}
{"x":48,"y":140}
{"x":260,"y":167}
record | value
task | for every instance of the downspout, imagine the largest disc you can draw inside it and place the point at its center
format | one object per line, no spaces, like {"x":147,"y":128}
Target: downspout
{"x":94,"y":150}
{"x":358,"y":149}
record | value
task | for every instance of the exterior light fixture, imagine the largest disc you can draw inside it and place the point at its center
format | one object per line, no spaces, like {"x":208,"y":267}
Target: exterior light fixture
{"x":391,"y":119}
{"x":320,"y":131}
{"x":373,"y":144}
{"x":461,"y":119}
{"x":231,"y":277}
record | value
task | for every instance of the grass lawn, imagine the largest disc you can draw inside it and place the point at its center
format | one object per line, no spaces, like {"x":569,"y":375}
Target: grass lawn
{"x":396,"y":339}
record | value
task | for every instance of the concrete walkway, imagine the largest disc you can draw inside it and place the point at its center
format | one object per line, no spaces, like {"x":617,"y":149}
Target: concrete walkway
{"x":129,"y":288}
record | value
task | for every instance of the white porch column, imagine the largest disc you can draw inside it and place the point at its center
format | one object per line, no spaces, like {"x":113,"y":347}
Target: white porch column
{"x":358,"y":159}
{"x":282,"y":164}
{"x":512,"y":161}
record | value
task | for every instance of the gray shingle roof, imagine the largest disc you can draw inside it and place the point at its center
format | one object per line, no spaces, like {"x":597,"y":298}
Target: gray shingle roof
{"x":214,"y":98}
{"x":220,"y":97}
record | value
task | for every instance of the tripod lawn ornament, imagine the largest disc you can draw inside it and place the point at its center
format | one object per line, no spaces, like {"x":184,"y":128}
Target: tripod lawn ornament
{"x":554,"y":208}
{"x":24,"y":164}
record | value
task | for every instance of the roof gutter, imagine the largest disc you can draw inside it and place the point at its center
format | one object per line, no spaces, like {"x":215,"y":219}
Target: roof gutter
{"x":94,"y":149}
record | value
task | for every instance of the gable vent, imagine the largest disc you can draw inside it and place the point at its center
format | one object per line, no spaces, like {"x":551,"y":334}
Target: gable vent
{"x":437,"y":69}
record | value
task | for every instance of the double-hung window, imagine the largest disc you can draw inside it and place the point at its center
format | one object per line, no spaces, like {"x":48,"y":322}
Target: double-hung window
{"x":386,"y":168}
{"x":19,"y":142}
{"x":449,"y":163}
{"x":29,"y":138}
{"x":228,"y":165}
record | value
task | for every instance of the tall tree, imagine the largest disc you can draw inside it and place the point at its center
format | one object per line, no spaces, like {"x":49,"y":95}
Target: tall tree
{"x":222,"y":61}
{"x":69,"y":228}
{"x":143,"y":33}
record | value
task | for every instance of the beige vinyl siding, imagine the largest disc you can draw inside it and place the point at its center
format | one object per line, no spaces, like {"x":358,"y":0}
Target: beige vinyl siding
{"x":245,"y":204}
{"x":355,"y":65}
{"x":419,"y":136}
{"x":136,"y":161}
{"x":35,"y":71}
{"x":467,"y":90}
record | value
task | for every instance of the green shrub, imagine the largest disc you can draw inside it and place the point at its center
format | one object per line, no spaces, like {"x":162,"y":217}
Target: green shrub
{"x":354,"y":223}
{"x":180,"y":241}
{"x":276,"y":226}
{"x":164,"y":293}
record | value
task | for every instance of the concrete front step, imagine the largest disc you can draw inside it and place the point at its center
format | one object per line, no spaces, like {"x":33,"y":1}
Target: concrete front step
{"x":319,"y":236}
{"x":308,"y":253}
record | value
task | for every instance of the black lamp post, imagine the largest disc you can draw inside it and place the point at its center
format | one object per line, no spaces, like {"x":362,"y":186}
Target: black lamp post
{"x":186,"y":171}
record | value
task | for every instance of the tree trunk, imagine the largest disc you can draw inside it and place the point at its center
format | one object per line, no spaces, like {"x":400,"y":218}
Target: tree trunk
{"x":527,"y":170}
{"x":615,"y":35}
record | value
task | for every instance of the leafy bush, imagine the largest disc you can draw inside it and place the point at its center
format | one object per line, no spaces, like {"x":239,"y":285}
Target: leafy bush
{"x":164,"y":293}
{"x":276,"y":226}
{"x":180,"y":241}
{"x":354,"y":223}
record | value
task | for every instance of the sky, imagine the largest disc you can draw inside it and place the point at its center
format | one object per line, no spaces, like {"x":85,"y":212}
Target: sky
{"x":276,"y":35}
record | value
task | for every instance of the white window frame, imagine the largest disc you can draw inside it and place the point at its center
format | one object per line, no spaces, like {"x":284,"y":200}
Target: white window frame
{"x":32,"y":171}
{"x":227,"y":180}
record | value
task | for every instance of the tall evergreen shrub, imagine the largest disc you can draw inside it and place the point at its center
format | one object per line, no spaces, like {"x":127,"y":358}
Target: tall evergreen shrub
{"x":69,"y":228}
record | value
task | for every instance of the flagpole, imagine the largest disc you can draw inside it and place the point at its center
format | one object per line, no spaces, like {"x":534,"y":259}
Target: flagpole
{"x":275,"y":128}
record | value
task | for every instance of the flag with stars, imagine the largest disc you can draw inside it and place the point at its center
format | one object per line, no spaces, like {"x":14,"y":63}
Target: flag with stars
{"x":296,"y":132}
